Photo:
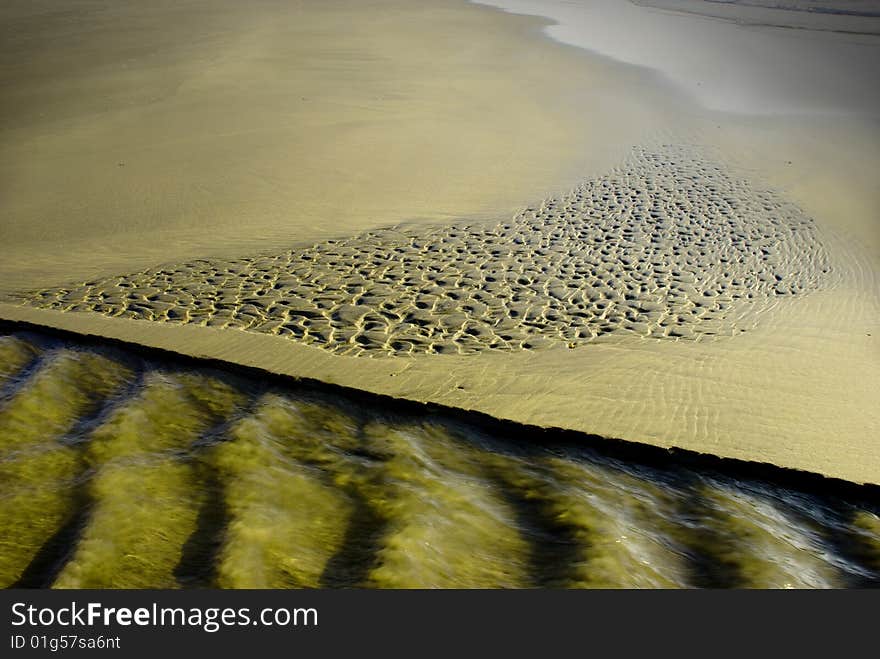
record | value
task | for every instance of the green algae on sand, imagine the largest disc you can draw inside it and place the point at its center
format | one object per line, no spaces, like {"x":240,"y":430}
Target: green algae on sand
{"x":867,"y":526}
{"x":753,"y":537}
{"x":67,"y":387}
{"x":145,"y":492}
{"x":286,"y":521}
{"x":622,"y":528}
{"x":119,"y":472}
{"x":39,"y":470}
{"x":448,"y":524}
{"x":15,"y":353}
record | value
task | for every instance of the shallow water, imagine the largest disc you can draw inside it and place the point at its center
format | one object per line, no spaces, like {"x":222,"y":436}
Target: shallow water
{"x":124,"y":469}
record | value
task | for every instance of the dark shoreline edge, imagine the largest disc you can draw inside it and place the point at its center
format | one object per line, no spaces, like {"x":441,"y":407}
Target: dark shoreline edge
{"x":615,"y":448}
{"x":708,"y":12}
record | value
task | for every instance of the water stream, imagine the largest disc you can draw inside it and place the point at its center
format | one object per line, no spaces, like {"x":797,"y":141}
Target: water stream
{"x":121,"y":468}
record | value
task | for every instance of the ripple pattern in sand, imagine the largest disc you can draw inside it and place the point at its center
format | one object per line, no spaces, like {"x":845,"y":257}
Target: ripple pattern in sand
{"x":670,"y":245}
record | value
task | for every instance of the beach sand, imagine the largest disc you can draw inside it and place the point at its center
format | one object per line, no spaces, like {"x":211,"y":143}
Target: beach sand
{"x":138,"y":134}
{"x":673,"y":275}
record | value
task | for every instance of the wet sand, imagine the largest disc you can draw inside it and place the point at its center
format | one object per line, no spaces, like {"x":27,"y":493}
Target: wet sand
{"x":138,"y":134}
{"x":767,"y":60}
{"x":670,"y":245}
{"x":735,"y":327}
{"x":696,"y":279}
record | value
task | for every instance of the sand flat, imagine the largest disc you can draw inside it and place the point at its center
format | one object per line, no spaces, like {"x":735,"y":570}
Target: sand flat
{"x":796,"y":394}
{"x":136,"y":134}
{"x":668,"y":245}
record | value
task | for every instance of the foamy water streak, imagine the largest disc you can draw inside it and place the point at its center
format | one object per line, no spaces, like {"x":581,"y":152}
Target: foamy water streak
{"x":123,"y":470}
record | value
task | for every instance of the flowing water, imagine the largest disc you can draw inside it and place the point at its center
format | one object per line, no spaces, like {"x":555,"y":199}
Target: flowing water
{"x":127,"y":469}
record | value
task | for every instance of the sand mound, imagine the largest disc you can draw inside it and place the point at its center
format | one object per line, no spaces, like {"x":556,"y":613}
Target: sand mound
{"x":670,"y":246}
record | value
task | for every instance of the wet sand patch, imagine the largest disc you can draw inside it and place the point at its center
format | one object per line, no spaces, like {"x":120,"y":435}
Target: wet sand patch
{"x":669,"y":245}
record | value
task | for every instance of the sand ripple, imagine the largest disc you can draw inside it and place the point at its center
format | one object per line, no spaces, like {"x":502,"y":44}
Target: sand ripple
{"x":671,"y":245}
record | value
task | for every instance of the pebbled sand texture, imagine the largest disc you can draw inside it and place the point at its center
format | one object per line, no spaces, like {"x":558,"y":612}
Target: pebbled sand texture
{"x":669,"y":245}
